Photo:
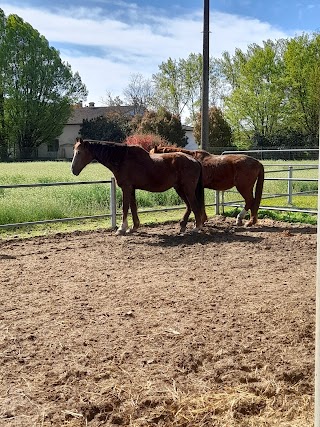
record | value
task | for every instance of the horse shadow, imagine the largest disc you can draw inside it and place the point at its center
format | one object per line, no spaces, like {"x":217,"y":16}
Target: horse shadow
{"x":190,"y":238}
{"x":220,"y":234}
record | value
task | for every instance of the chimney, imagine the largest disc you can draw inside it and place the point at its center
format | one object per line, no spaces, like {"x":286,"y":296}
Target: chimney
{"x":91,"y":104}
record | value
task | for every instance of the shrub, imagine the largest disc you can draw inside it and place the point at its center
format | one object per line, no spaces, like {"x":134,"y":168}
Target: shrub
{"x":146,"y":141}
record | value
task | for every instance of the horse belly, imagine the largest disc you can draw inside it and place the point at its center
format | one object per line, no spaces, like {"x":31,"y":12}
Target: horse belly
{"x":156,"y":183}
{"x":218,"y":180}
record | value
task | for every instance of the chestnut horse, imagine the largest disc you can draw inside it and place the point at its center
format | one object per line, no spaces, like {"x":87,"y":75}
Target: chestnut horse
{"x":134,"y":168}
{"x":226,"y":171}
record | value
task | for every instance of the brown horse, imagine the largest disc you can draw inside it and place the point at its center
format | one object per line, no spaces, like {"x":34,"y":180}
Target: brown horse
{"x":226,"y":171}
{"x":134,"y":168}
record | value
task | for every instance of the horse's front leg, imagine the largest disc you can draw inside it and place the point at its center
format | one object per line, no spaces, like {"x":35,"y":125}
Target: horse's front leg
{"x":126,"y":195}
{"x":134,"y":211}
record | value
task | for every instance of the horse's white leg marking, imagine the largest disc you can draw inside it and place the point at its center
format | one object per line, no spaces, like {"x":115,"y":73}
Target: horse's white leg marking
{"x":123,"y":227}
{"x":240,"y":217}
{"x":196,"y":229}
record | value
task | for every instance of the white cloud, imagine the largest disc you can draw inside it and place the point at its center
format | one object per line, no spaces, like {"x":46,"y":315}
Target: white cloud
{"x":136,"y":48}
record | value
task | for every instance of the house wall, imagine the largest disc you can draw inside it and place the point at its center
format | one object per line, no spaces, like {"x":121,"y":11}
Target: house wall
{"x":67,"y":140}
{"x":66,"y":143}
{"x":191,"y":144}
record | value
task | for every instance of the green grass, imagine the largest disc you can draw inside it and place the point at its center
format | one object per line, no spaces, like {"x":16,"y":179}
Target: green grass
{"x":20,"y":205}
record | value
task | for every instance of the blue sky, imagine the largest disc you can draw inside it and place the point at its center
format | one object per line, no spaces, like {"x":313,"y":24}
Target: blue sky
{"x":107,"y":41}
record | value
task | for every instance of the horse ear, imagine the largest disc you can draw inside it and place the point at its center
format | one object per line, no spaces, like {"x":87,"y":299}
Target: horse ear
{"x":78,"y":139}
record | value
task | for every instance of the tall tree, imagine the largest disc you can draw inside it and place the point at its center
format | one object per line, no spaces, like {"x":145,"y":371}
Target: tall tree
{"x":254,"y":106}
{"x":220,"y":134}
{"x":39,"y":89}
{"x":302,"y":66}
{"x":111,"y":101}
{"x":139,"y":93}
{"x":169,"y":87}
{"x":178,"y":86}
{"x":164,"y":124}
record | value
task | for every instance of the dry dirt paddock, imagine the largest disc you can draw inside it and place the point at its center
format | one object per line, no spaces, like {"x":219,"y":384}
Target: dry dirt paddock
{"x":159,"y":329}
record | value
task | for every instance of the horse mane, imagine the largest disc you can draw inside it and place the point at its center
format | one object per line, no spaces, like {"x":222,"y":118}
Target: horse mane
{"x":113,"y":152}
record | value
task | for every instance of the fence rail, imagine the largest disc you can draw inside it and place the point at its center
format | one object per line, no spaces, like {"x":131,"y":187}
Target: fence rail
{"x":113,"y":203}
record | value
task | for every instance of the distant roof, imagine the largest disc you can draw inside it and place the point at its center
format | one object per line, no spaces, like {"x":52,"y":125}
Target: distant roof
{"x":80,"y":113}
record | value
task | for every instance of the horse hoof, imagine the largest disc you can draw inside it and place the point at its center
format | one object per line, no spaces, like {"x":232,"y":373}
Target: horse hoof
{"x":196,"y":230}
{"x":131,"y":230}
{"x":120,"y":232}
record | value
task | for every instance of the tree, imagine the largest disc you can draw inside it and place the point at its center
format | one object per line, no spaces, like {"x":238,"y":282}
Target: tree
{"x":162,"y":123}
{"x":220,"y":134}
{"x":112,"y":127}
{"x":178,"y":86}
{"x":111,"y":101}
{"x":139,"y":93}
{"x":302,"y":67}
{"x":255,"y":105}
{"x":39,"y":88}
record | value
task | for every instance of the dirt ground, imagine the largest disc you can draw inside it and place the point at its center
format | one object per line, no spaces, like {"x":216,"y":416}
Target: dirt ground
{"x":159,"y":329}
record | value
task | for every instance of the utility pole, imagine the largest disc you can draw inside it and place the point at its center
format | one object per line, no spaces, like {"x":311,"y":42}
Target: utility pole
{"x":205,"y":79}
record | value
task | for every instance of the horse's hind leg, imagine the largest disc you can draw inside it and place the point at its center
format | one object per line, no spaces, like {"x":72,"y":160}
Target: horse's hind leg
{"x":247,"y":194}
{"x":199,"y":214}
{"x":134,"y":211}
{"x":184,"y":221}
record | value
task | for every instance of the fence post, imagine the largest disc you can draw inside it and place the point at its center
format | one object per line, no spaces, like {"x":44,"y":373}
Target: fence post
{"x":290,"y":185}
{"x":217,"y":202}
{"x":113,"y":203}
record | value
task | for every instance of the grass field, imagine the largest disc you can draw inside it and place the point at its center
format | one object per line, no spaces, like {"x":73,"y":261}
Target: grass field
{"x":18,"y":205}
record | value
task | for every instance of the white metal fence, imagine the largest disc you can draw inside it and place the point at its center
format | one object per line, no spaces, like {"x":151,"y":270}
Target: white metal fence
{"x":113,"y":203}
{"x":220,"y":200}
{"x":289,"y":179}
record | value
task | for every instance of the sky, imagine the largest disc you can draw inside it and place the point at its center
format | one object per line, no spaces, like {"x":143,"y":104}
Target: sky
{"x":108,"y":41}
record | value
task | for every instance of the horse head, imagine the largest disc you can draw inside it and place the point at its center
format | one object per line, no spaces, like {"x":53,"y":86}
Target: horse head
{"x":81,"y":156}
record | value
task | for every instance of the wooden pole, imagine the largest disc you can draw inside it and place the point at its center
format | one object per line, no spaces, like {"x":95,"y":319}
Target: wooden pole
{"x":205,"y":79}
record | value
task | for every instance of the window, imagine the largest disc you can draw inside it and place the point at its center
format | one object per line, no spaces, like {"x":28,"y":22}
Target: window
{"x":53,"y":146}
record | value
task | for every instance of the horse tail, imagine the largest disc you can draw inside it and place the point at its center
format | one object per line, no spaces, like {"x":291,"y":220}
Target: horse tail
{"x":200,"y":195}
{"x":259,"y":189}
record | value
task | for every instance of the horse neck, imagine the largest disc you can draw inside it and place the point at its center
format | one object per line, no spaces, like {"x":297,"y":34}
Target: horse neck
{"x":109,"y":155}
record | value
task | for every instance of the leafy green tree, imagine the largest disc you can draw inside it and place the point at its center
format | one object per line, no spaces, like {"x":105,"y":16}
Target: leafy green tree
{"x":220,"y":134}
{"x":255,"y":105}
{"x":178,"y":85}
{"x":169,"y":87}
{"x":302,"y":67}
{"x":112,"y":127}
{"x":162,"y":123}
{"x":39,"y":88}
